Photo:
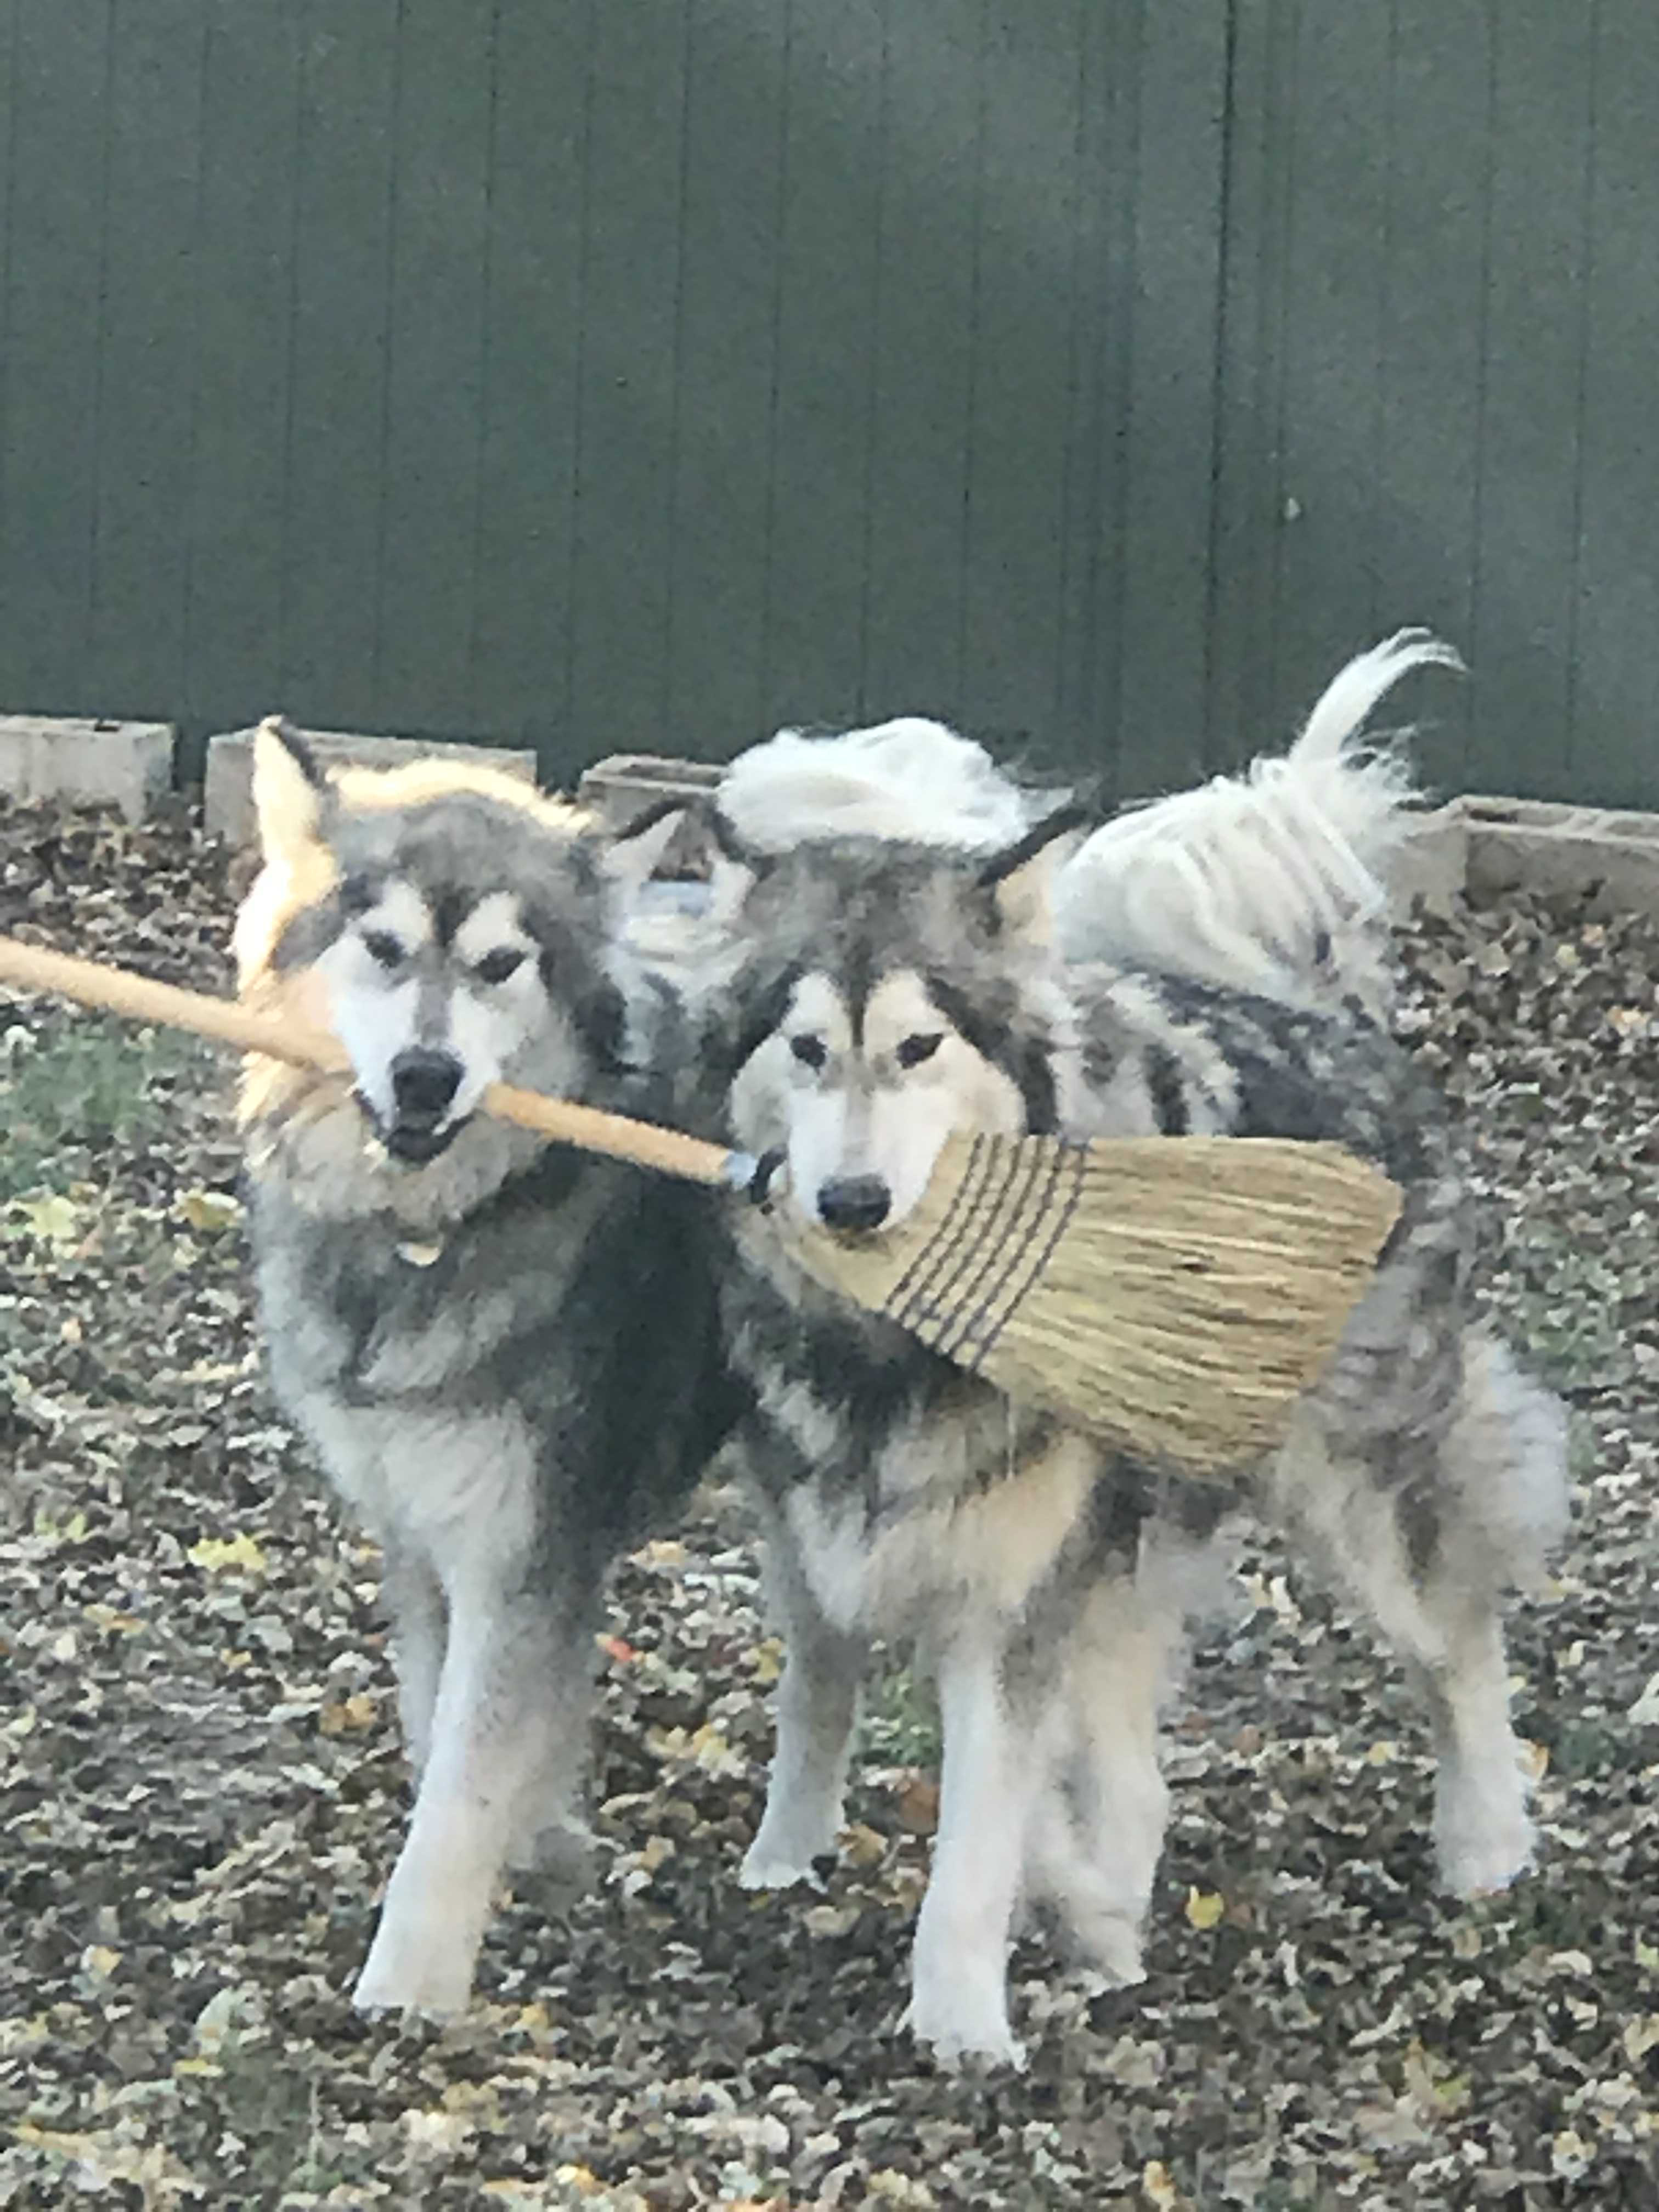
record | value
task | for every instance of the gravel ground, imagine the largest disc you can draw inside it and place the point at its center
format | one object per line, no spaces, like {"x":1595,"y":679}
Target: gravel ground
{"x":201,"y":1787}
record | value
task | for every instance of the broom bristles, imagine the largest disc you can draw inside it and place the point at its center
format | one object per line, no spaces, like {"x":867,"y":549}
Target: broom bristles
{"x":1176,"y":1296}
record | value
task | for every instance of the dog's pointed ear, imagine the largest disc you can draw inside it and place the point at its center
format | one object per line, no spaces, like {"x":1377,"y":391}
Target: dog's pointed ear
{"x":630,"y":858}
{"x":292,"y":797}
{"x":735,"y":869}
{"x":294,"y":804}
{"x":1021,"y":877}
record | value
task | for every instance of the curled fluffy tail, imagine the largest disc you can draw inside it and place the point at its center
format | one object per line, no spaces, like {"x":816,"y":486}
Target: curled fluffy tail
{"x":1279,"y":880}
{"x":911,"y":780}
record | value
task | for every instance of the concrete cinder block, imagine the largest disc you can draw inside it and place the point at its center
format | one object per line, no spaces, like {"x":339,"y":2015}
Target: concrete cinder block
{"x":1433,"y":867}
{"x":87,"y":763}
{"x":1609,"y":860}
{"x":228,"y":784}
{"x":618,"y":790}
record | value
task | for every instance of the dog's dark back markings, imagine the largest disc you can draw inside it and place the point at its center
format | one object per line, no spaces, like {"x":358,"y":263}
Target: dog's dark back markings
{"x":1167,"y":1091}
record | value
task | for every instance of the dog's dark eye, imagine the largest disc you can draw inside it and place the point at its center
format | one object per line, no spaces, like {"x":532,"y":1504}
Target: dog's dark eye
{"x":496,"y":967}
{"x":381,"y":946}
{"x":914,"y":1050}
{"x":809,"y":1050}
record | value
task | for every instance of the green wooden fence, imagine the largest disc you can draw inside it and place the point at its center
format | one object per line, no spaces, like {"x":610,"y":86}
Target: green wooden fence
{"x":621,"y":374}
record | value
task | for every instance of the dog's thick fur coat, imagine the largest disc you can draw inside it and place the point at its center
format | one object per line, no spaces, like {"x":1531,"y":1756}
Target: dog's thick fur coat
{"x":504,"y":1353}
{"x":876,"y":992}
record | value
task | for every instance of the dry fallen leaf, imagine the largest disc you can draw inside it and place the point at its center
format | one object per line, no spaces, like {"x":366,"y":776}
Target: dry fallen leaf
{"x":221,"y":1554}
{"x":916,"y":1804}
{"x":351,"y":1716}
{"x":212,"y":1211}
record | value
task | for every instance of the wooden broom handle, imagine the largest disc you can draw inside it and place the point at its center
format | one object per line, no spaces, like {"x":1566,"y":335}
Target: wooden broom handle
{"x":117,"y":991}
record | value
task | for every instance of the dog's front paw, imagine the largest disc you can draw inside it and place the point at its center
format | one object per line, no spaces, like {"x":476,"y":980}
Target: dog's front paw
{"x":1479,"y":1865}
{"x":963,"y":2022}
{"x":557,"y":1863}
{"x":766,"y":1867}
{"x":1108,"y":1944}
{"x":1484,"y":1837}
{"x":397,"y":1979}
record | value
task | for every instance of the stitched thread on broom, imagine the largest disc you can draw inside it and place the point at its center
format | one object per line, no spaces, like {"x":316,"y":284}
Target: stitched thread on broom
{"x":931,"y":1249}
{"x":955,"y":1255}
{"x":911,"y":1292}
{"x":1025,"y":1214}
{"x":1008,"y":1204}
{"x":1039,"y":1258}
{"x":961,"y":1260}
{"x":1030,"y":1257}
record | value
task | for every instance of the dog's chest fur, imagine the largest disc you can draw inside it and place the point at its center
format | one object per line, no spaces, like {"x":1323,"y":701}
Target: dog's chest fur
{"x":549,"y":1363}
{"x":900,"y":1476}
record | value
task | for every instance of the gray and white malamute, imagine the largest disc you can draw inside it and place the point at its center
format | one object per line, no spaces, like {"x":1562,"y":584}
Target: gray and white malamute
{"x":505,"y":1353}
{"x":874,"y":993}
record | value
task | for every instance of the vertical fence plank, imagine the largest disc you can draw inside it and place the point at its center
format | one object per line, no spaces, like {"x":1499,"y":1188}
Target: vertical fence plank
{"x":332,"y":537}
{"x":1335,"y":301}
{"x":928,"y":299}
{"x":1612,"y":753}
{"x":1020,"y":418}
{"x":1171,"y":426}
{"x":1423,"y":531}
{"x":59,"y":154}
{"x":245,"y":297}
{"x":818,"y":435}
{"x":521,"y":643}
{"x":631,"y":283}
{"x":1089,"y":656}
{"x":725,"y":348}
{"x":10,"y":75}
{"x":144,"y":360}
{"x":1241,"y":706}
{"x":429,"y":490}
{"x":1521,"y":645}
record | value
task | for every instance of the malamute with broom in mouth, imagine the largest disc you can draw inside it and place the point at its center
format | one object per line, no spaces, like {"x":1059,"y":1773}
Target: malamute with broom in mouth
{"x":876,"y":992}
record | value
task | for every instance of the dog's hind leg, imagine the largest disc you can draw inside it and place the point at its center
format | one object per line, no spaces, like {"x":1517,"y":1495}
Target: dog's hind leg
{"x":1483,"y":1831}
{"x":1501,"y":1502}
{"x":1429,"y":1558}
{"x":511,"y":1709}
{"x":816,"y":1710}
{"x":993,"y":1767}
{"x":413,"y":1598}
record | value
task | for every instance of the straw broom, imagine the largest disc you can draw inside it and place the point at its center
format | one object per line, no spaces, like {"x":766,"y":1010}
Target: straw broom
{"x":1174,"y":1295}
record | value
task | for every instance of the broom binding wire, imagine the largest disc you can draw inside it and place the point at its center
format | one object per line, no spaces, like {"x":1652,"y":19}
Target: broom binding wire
{"x":1175,"y":1294}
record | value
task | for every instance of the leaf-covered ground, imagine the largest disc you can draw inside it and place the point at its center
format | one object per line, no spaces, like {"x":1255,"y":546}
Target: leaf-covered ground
{"x":201,"y":1788}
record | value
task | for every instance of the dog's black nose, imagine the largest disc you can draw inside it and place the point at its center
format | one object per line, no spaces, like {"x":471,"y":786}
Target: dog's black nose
{"x":423,"y":1083}
{"x":854,"y":1202}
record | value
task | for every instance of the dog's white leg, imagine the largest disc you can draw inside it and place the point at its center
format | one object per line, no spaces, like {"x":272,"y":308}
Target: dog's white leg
{"x":992,"y":1762}
{"x":1095,"y":1848}
{"x":1502,"y":1504}
{"x":510,"y":1710}
{"x":551,"y":1843}
{"x":816,"y":1711}
{"x":1482,"y":1832}
{"x":1444,"y":1619}
{"x":413,"y":1598}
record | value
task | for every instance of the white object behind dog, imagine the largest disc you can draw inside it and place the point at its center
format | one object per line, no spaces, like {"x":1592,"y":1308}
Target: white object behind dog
{"x":1278,"y":880}
{"x":909,"y":779}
